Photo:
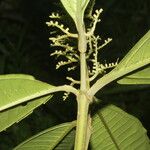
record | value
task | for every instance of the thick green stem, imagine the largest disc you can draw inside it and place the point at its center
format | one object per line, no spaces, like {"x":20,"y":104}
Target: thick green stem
{"x":83,"y":72}
{"x":82,"y":134}
{"x":83,"y":116}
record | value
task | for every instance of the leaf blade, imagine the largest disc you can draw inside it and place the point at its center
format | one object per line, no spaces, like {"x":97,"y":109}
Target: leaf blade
{"x":16,"y":114}
{"x":73,"y":6}
{"x":137,"y":57}
{"x":48,"y":139}
{"x":16,"y":89}
{"x":140,"y":52}
{"x":67,"y":142}
{"x":139,"y":77}
{"x":115,"y":129}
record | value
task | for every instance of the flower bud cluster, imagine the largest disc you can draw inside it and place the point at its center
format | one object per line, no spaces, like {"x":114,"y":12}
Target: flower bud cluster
{"x":65,"y":47}
{"x":62,"y":42}
{"x":94,"y":48}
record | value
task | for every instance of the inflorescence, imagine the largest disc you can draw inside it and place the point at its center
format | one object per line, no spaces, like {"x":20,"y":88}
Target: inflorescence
{"x":71,"y":54}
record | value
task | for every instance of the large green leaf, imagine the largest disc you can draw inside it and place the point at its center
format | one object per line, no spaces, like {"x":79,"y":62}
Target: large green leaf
{"x":15,"y":93}
{"x":16,"y":89}
{"x":137,"y":57}
{"x":68,"y":142}
{"x":19,"y":112}
{"x":75,"y":8}
{"x":60,"y":137}
{"x":114,"y":129}
{"x":140,"y":77}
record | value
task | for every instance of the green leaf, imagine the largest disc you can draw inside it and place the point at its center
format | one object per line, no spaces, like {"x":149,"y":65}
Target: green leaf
{"x":68,"y":142}
{"x":16,"y":76}
{"x":17,"y":89}
{"x":139,"y":77}
{"x":20,"y":89}
{"x":117,"y":89}
{"x":19,"y":112}
{"x":137,"y":57}
{"x":57,"y":137}
{"x":75,"y":8}
{"x":114,"y":129}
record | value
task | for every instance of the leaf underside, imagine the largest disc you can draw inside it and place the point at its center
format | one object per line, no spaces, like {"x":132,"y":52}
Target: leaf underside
{"x":17,"y":89}
{"x":114,"y":129}
{"x":19,"y":96}
{"x":67,"y":143}
{"x":137,"y":57}
{"x":140,"y":77}
{"x":71,"y":7}
{"x":60,"y":137}
{"x":19,"y":112}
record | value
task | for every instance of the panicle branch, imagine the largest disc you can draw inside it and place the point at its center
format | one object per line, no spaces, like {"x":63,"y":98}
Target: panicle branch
{"x":94,"y":48}
{"x":62,"y":42}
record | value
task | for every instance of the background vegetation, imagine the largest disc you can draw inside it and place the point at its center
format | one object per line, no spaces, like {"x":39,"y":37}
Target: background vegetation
{"x":24,"y":48}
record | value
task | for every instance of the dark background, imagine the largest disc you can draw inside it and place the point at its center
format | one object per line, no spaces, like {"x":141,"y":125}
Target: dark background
{"x":24,"y":48}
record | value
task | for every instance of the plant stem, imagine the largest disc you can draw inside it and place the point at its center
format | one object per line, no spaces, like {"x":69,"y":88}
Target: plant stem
{"x":82,"y":136}
{"x":83,"y":116}
{"x":83,"y":73}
